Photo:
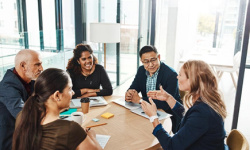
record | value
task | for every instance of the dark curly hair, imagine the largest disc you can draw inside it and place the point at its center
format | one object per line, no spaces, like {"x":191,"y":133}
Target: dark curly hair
{"x":73,"y":64}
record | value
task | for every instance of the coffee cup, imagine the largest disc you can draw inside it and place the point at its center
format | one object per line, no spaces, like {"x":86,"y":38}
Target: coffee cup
{"x":78,"y":117}
{"x":85,"y":104}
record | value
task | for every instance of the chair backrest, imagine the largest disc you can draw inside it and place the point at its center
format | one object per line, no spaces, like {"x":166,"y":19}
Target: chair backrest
{"x":237,"y":141}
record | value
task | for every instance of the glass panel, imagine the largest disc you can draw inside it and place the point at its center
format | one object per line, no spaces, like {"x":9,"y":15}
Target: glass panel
{"x":49,"y":29}
{"x":244,"y":119}
{"x":68,"y":24}
{"x":145,"y":17}
{"x":32,"y":24}
{"x":129,"y":35}
{"x":9,"y":34}
{"x":10,"y":40}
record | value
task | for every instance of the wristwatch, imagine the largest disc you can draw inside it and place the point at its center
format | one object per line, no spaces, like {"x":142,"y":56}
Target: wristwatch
{"x":152,"y":118}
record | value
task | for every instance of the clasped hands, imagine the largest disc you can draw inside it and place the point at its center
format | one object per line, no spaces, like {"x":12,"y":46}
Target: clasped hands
{"x":132,"y":96}
{"x":86,"y":92}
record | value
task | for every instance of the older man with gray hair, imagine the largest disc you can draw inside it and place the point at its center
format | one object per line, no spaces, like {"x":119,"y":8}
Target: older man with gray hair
{"x":15,"y":88}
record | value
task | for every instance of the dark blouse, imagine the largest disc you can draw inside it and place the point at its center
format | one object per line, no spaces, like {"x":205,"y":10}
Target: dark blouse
{"x":62,"y":135}
{"x":93,"y":81}
{"x":201,"y":129}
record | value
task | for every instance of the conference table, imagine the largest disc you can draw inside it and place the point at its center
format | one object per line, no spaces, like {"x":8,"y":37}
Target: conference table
{"x":128,"y":130}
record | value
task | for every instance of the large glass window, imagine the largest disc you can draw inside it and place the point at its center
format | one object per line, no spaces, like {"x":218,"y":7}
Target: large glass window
{"x":49,"y":29}
{"x":32,"y":23}
{"x":129,"y":35}
{"x":208,"y":30}
{"x":68,"y":24}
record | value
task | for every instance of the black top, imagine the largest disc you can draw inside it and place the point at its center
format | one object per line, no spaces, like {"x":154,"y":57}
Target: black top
{"x":93,"y":81}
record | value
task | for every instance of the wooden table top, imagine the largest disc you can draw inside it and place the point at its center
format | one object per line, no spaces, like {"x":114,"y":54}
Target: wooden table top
{"x":128,"y":131}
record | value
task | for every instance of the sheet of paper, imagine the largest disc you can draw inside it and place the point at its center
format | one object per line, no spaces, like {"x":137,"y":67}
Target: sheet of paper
{"x":128,"y":105}
{"x":102,"y":139}
{"x":160,"y":114}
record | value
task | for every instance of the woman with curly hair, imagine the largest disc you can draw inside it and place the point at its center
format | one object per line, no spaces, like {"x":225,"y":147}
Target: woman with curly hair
{"x":87,"y":76}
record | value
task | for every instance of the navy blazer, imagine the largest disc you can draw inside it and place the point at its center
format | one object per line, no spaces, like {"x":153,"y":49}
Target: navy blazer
{"x":200,"y":128}
{"x":167,"y":77}
{"x":12,"y":97}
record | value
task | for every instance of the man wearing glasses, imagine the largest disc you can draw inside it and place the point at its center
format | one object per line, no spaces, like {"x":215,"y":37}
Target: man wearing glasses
{"x":151,"y":76}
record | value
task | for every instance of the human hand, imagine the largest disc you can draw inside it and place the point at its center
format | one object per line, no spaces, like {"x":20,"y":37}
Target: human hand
{"x":129,"y":95}
{"x":149,"y":108}
{"x":91,"y":133}
{"x":93,"y":90}
{"x":161,"y":94}
{"x":136,"y":98}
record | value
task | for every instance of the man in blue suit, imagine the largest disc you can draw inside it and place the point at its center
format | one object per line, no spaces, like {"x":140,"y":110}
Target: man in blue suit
{"x":15,"y":88}
{"x":149,"y":77}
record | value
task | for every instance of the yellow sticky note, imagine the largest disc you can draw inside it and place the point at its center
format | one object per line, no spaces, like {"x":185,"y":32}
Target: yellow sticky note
{"x":107,"y":115}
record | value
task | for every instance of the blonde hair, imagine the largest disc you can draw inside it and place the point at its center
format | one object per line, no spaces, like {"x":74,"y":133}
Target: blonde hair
{"x":203,"y":83}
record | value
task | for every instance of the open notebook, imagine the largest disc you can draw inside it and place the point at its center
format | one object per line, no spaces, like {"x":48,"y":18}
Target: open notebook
{"x":94,"y":101}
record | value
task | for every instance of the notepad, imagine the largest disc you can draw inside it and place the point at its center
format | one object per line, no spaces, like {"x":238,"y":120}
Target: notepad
{"x":107,"y":115}
{"x":102,"y":139}
{"x":94,"y":101}
{"x":68,"y":112}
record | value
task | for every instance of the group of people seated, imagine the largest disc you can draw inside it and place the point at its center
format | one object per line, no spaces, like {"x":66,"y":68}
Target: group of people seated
{"x":31,"y":100}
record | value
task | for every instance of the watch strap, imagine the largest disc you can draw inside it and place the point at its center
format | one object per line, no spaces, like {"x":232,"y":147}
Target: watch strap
{"x":152,"y":118}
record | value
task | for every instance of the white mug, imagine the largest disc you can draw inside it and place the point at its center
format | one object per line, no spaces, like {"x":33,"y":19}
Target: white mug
{"x":78,"y":117}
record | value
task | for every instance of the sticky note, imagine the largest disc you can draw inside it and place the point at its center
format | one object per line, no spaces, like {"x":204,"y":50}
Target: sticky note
{"x":95,"y":119}
{"x":107,"y":115}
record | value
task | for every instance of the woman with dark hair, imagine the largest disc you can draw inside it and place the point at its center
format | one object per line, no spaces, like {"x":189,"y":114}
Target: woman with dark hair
{"x":203,"y":114}
{"x":87,"y":75}
{"x":38,"y":125}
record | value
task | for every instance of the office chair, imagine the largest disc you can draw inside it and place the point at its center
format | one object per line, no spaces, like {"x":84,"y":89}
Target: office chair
{"x":237,"y":141}
{"x":235,"y":68}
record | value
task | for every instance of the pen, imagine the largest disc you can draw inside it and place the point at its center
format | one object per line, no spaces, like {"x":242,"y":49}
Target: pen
{"x":157,"y":113}
{"x":63,"y":117}
{"x":97,"y":125}
{"x":94,"y":99}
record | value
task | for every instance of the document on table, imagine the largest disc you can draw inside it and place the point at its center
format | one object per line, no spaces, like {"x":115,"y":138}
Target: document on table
{"x":102,"y":139}
{"x":160,"y":114}
{"x":128,"y":105}
{"x":94,"y":101}
{"x":136,"y":108}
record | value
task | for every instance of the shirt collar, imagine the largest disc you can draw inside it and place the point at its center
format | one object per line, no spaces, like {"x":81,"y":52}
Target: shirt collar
{"x":23,"y":82}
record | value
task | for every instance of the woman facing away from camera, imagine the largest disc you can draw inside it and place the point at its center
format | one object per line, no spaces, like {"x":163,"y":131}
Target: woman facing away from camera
{"x":202,"y":126}
{"x":87,"y":75}
{"x":38,"y":125}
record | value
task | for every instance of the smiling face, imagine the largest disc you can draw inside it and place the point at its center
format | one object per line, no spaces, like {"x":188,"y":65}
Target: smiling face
{"x":184,"y":83}
{"x":86,"y":61}
{"x":151,"y":62}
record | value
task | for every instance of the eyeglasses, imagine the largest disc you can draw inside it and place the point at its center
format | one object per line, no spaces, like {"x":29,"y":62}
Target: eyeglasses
{"x":153,"y":60}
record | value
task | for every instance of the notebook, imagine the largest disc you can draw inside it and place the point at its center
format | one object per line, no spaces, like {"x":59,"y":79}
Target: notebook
{"x":94,"y":101}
